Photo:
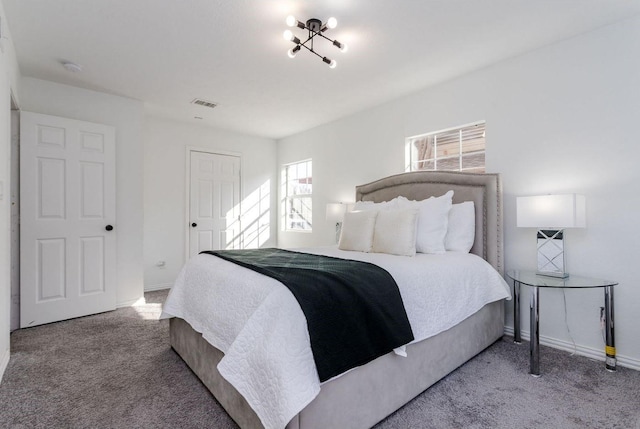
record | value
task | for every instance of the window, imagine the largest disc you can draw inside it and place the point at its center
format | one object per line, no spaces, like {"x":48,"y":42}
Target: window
{"x":458,"y":149}
{"x":298,"y":189}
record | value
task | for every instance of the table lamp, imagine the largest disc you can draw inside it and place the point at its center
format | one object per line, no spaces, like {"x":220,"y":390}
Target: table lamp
{"x":335,"y":213}
{"x":551,"y":214}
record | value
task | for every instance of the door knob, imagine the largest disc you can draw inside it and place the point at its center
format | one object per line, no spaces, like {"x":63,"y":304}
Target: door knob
{"x":193,"y":225}
{"x":108,"y":228}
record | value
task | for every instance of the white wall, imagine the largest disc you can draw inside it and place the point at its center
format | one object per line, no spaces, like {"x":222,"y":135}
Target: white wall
{"x":8,"y":84}
{"x":165,"y":222}
{"x":348,"y":152}
{"x":126,"y":116}
{"x":559,"y":119}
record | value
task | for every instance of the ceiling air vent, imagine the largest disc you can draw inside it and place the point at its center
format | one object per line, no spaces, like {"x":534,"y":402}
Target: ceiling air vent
{"x":205,"y":103}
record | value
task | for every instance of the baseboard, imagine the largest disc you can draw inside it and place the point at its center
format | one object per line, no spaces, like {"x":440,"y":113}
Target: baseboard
{"x":4,"y":362}
{"x":590,"y":352}
{"x":161,"y":286}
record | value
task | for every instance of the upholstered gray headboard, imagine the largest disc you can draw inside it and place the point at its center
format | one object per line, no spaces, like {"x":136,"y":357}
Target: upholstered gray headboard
{"x":485,"y":190}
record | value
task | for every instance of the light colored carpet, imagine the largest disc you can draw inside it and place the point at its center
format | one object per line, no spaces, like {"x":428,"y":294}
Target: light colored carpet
{"x":117,"y":370}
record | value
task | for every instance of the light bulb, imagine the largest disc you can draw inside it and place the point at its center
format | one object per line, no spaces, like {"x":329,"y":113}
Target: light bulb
{"x":341,"y":46}
{"x":293,"y":51}
{"x":331,"y":63}
{"x":287,"y":35}
{"x":332,"y":22}
{"x":291,"y":20}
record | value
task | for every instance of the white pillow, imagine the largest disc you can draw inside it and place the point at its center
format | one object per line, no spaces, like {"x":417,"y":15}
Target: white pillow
{"x":395,"y":232}
{"x":357,"y":231}
{"x":461,"y":232}
{"x":370,"y":205}
{"x":433,"y":219}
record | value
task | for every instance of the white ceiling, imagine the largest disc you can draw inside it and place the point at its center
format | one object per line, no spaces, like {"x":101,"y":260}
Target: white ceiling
{"x":168,"y":52}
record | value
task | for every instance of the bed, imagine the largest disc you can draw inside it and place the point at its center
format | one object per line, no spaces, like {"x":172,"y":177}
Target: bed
{"x":367,"y":394}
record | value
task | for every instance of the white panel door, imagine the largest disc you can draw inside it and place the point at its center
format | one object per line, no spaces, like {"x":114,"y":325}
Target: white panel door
{"x":214,"y":202}
{"x":67,"y":219}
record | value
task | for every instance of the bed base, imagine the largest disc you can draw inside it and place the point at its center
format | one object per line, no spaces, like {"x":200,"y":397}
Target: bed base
{"x":365,"y":395}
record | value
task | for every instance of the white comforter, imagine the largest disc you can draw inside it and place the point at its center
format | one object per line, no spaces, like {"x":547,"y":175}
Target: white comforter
{"x":262,"y":331}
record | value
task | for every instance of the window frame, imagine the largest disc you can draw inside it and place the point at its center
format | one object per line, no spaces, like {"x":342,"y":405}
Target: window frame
{"x":289,"y":199}
{"x":411,"y":152}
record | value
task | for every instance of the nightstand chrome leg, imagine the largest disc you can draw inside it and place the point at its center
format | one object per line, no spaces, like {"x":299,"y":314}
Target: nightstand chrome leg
{"x":534,"y":341}
{"x":610,"y":349}
{"x":516,"y":312}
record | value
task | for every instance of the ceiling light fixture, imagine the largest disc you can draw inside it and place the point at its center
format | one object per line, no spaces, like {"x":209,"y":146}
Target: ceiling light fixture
{"x":315,"y":28}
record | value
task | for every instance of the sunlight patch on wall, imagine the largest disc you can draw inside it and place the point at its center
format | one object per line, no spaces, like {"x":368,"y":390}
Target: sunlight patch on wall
{"x":255,"y":220}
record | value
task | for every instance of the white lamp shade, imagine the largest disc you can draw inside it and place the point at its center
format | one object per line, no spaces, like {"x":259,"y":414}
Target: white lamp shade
{"x":551,"y":211}
{"x":335,"y":212}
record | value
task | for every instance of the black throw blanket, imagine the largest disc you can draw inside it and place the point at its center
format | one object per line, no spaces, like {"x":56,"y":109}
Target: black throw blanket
{"x":354,"y":310}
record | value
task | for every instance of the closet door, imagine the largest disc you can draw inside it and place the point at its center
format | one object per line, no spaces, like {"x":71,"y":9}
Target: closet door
{"x":67,"y":223}
{"x":214,"y":202}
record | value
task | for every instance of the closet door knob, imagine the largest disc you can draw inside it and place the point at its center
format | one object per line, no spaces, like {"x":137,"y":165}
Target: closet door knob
{"x":193,"y":225}
{"x":108,"y":228}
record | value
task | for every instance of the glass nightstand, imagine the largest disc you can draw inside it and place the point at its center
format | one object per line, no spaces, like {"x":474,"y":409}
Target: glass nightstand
{"x":536,"y":281}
